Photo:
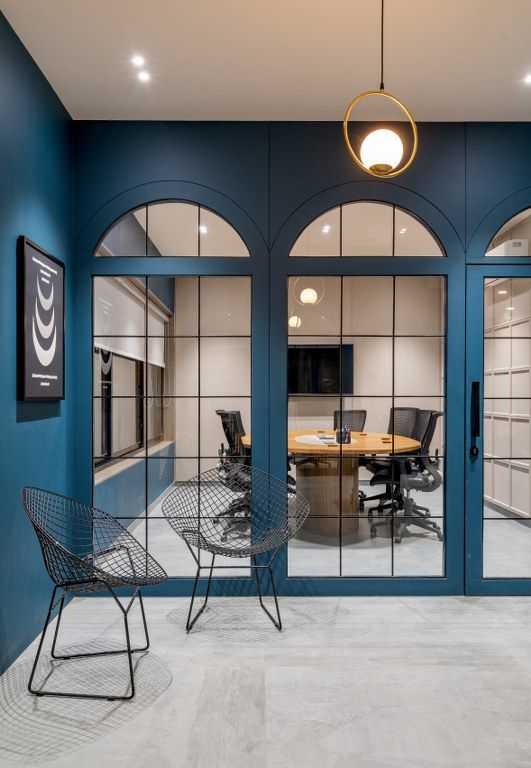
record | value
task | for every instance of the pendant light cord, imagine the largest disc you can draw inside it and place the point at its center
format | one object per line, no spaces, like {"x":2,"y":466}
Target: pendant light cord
{"x":382,"y":48}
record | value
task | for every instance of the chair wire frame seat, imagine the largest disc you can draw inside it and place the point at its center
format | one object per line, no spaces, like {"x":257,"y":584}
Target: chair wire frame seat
{"x":235,"y":511}
{"x":87,"y":550}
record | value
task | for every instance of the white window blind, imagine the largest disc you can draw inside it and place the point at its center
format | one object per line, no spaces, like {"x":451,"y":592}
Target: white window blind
{"x":119,"y":321}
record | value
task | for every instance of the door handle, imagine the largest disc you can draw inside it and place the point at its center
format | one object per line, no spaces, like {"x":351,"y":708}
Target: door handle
{"x":475,"y":421}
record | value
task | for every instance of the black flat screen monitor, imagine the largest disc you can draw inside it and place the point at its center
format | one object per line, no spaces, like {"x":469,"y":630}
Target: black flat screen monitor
{"x":321,"y":369}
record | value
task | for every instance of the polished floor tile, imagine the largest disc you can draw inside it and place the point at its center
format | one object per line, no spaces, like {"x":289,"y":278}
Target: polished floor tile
{"x":384,"y":682}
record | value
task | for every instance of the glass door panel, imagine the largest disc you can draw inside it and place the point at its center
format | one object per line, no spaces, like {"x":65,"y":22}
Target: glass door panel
{"x":499,"y":464}
{"x":507,"y":428}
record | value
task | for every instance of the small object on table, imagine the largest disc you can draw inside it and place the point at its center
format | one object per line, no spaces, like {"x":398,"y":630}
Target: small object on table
{"x":344,"y":435}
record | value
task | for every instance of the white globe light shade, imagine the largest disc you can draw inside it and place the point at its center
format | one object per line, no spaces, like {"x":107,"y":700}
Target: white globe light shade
{"x":309,"y":296}
{"x":294,"y":322}
{"x":381,"y":151}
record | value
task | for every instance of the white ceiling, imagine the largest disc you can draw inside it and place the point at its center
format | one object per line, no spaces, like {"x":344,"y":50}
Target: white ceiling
{"x":280,"y":60}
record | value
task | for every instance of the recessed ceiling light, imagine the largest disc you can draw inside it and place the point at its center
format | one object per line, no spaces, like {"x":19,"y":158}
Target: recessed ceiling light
{"x":143,"y":76}
{"x":503,"y":293}
{"x":138,"y":61}
{"x":326,"y":229}
{"x":510,"y":309}
{"x":403,"y":231}
{"x":203,"y":229}
{"x":527,"y":79}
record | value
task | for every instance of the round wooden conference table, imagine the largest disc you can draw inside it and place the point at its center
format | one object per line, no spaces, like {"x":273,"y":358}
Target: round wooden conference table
{"x":329,"y":478}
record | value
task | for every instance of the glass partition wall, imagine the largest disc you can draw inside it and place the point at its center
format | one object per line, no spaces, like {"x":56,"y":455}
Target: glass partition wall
{"x":171,"y":355}
{"x":367,"y":354}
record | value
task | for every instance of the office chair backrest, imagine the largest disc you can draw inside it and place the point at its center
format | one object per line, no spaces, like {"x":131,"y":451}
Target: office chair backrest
{"x":426,"y":440}
{"x":422,"y":423}
{"x":355,"y":419}
{"x":232,"y":424}
{"x":402,"y":421}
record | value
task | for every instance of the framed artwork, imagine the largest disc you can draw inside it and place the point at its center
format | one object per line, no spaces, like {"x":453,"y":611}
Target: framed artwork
{"x":41,"y":370}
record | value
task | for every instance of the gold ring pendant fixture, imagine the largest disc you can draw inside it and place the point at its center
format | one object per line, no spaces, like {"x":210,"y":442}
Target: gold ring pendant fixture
{"x":381,"y":151}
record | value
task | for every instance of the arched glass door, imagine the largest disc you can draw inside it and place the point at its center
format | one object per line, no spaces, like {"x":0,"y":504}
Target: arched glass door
{"x":499,"y":414}
{"x":369,"y":346}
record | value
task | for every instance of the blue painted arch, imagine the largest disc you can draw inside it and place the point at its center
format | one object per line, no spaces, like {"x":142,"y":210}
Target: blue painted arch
{"x":453,"y":267}
{"x":375,"y":191}
{"x":166,"y":190}
{"x":492,"y":222}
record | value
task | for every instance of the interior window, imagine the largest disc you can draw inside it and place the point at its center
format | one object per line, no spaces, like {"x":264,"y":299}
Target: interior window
{"x":366,"y":228}
{"x":172,"y":228}
{"x":513,"y":239}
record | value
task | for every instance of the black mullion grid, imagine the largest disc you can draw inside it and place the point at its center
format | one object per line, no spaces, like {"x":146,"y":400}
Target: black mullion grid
{"x":372,"y":335}
{"x":147,"y":237}
{"x":341,"y":237}
{"x":198,"y":236}
{"x":393,"y":247}
{"x":199,"y":279}
{"x":341,"y":426}
{"x":144,"y":404}
{"x":393,"y":331}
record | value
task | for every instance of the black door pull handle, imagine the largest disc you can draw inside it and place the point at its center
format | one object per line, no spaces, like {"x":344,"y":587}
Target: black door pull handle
{"x":475,"y":421}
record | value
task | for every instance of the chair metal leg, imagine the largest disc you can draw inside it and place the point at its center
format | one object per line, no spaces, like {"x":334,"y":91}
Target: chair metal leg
{"x":189,"y":621}
{"x":128,"y":650}
{"x":41,"y":641}
{"x":277,"y":622}
{"x":64,"y":657}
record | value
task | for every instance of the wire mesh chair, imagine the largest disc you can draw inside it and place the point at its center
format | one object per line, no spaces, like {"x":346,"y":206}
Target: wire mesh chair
{"x":86,"y":550}
{"x":235,"y":512}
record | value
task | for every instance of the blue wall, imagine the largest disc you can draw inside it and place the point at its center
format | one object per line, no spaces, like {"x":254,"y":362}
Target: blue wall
{"x":124,"y":494}
{"x":268,"y":179}
{"x":270,"y":171}
{"x":36,"y":438}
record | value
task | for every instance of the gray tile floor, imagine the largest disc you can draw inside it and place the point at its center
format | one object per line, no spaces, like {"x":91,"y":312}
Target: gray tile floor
{"x":365,"y":682}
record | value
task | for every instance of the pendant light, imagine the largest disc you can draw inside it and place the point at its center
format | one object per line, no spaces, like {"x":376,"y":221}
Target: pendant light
{"x":381,"y":152}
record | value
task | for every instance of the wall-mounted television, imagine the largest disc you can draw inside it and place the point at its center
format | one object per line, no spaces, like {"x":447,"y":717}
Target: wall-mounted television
{"x":321,"y":369}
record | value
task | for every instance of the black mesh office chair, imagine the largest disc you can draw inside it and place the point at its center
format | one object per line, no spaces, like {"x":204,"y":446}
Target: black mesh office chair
{"x":86,"y":550}
{"x":355,"y":419}
{"x":402,"y":421}
{"x":237,"y":453}
{"x":417,"y":472}
{"x":232,"y":424}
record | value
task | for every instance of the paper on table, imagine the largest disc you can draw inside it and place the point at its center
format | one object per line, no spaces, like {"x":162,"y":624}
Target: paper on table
{"x":317,"y":440}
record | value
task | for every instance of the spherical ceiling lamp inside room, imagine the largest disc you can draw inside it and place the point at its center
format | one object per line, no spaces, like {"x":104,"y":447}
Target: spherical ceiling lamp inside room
{"x":294,"y":321}
{"x":308,"y":296}
{"x":381,"y":152}
{"x":308,"y":291}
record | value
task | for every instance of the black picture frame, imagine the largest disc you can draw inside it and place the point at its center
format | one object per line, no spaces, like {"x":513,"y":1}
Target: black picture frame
{"x":41,"y":327}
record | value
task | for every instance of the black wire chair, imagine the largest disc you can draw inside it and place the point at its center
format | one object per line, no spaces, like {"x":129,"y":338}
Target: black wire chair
{"x":86,"y":550}
{"x":235,"y":511}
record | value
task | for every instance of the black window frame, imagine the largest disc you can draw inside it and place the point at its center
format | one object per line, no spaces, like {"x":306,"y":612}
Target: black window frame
{"x":107,"y":455}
